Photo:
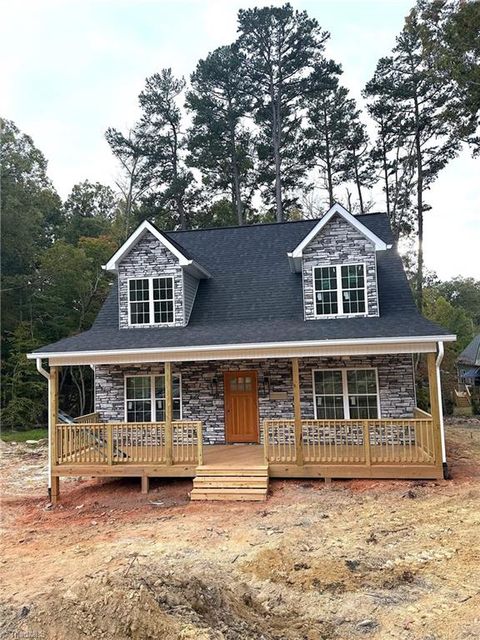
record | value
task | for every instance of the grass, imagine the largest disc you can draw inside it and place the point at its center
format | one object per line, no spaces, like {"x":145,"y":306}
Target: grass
{"x":21,"y":436}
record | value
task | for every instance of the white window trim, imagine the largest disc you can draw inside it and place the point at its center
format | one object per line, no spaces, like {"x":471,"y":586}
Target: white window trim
{"x":153,"y":405}
{"x":346,"y":406}
{"x":151,"y":307}
{"x":338,"y":271}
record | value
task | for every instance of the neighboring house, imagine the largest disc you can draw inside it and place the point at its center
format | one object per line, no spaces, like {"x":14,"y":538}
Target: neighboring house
{"x":294,"y":339}
{"x":468,"y":364}
{"x":468,"y":375}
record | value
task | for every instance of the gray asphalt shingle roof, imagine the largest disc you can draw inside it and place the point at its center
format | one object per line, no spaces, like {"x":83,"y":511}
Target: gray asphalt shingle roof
{"x":471,"y":353}
{"x":253,"y":297}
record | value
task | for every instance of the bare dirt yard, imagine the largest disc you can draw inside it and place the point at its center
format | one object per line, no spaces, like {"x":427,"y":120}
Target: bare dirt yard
{"x":358,"y":559}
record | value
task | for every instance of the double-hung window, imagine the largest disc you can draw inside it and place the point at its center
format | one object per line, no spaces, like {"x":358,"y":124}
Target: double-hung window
{"x":339,"y":290}
{"x":151,"y":300}
{"x":145,"y":398}
{"x":345,"y":394}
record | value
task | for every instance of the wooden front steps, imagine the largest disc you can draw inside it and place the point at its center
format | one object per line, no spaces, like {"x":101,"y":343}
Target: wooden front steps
{"x":213,"y":482}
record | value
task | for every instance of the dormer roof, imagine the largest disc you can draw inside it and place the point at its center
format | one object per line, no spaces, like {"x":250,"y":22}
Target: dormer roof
{"x":185,"y":259}
{"x":295,"y":256}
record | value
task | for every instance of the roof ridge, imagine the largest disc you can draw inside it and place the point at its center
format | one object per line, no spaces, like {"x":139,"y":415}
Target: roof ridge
{"x":263,"y":224}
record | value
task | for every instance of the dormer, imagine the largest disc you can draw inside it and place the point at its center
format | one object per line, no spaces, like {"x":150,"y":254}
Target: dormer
{"x":157,"y":280}
{"x":338,"y":263}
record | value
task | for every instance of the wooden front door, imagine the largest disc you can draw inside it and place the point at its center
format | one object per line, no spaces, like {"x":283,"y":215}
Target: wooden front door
{"x":241,"y":406}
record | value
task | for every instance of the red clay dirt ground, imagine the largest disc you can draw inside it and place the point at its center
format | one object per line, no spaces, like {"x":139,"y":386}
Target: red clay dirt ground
{"x":361,"y":559}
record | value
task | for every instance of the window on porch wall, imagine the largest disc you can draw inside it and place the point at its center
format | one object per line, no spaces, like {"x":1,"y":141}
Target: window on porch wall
{"x":345,"y":394}
{"x":145,"y":397}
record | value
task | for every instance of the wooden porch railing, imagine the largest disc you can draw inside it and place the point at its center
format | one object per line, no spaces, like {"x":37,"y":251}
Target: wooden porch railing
{"x":112,"y":443}
{"x":88,"y":418}
{"x":365,"y":442}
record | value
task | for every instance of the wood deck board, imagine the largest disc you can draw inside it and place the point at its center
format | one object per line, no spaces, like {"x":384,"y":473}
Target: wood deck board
{"x":233,"y":455}
{"x":248,"y":460}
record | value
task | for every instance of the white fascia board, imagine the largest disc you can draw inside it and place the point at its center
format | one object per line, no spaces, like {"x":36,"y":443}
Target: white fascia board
{"x":196,"y":270}
{"x":146,"y":226}
{"x":379,"y":244}
{"x":257,"y":345}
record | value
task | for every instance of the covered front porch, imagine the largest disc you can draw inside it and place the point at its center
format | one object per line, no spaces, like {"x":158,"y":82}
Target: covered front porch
{"x":266,"y":426}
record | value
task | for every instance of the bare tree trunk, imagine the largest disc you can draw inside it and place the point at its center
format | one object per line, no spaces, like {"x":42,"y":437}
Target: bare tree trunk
{"x":419,"y":163}
{"x":328,"y":161}
{"x":385,"y":167}
{"x":178,"y":198}
{"x":357,"y":181}
{"x":276,"y":143}
{"x":277,"y":158}
{"x":235,"y":174}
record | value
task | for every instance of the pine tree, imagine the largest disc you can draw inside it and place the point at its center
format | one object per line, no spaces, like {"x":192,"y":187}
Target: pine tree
{"x":135,"y":179}
{"x":281,"y":45}
{"x":358,"y":167}
{"x":421,"y":98}
{"x":164,"y":146}
{"x":391,"y":157}
{"x":450,"y":33}
{"x":220,"y":145}
{"x":339,"y":144}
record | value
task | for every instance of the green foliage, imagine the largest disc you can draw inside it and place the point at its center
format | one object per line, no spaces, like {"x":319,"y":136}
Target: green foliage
{"x":464,"y":293}
{"x":76,"y":300}
{"x":339,"y":143}
{"x":451,"y":40}
{"x":23,"y":391}
{"x":164,"y":144}
{"x":280,"y":46}
{"x":51,"y":287}
{"x":219,"y":144}
{"x":445,"y":305}
{"x":408,"y":92}
{"x":476,"y":405}
{"x":89,"y":211}
{"x":22,"y":436}
{"x":264,"y":111}
{"x":30,"y":216}
{"x":136,"y":177}
{"x":455,"y":319}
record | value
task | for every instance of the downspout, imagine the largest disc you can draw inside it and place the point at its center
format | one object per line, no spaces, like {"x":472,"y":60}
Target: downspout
{"x":438,"y":362}
{"x":46,"y":375}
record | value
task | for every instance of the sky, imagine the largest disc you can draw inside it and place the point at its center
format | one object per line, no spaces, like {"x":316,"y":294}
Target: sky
{"x":71,"y":68}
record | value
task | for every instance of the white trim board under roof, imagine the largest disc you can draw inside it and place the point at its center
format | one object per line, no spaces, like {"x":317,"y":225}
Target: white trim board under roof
{"x":191,"y":266}
{"x":295,"y":256}
{"x":362,"y":346}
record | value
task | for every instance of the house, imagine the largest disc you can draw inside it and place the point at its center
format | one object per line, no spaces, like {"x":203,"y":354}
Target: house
{"x":468,"y":364}
{"x":231,"y":355}
{"x":468,"y":374}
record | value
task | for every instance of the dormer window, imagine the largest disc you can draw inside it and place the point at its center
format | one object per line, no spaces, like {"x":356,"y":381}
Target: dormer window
{"x":339,"y":290}
{"x":151,"y":301}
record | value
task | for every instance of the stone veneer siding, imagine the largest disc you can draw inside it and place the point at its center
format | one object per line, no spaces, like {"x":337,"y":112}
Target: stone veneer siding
{"x":339,"y":243}
{"x":395,"y":377}
{"x":146,"y":259}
